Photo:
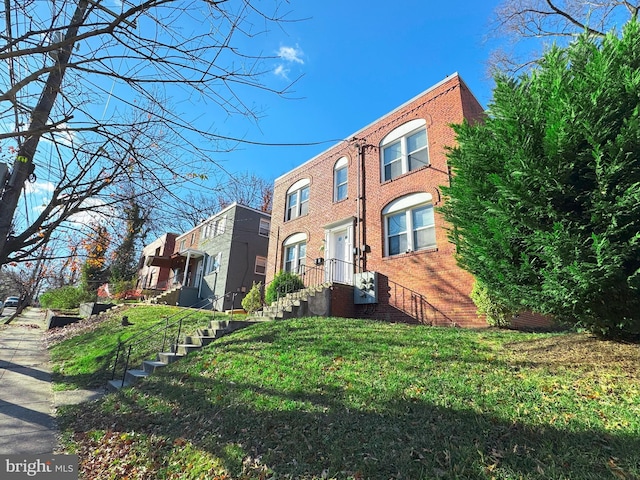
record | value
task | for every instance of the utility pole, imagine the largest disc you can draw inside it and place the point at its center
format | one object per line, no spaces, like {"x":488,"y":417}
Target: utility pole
{"x":23,"y":165}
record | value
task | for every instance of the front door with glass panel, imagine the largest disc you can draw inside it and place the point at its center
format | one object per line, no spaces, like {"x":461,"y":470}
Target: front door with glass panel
{"x":339,"y":260}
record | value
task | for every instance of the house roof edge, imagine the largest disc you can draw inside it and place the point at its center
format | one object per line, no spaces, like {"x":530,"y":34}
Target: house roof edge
{"x":432,"y":87}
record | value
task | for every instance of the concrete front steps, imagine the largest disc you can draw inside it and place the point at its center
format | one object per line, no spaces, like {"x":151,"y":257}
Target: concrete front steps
{"x":202,"y":337}
{"x":168,"y":297}
{"x":310,"y":301}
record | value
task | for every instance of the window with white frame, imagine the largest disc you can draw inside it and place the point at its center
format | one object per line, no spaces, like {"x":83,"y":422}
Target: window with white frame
{"x":264,"y":228}
{"x":205,"y":230}
{"x":261,"y":266}
{"x":404,"y":149}
{"x":295,"y":253}
{"x":409,"y":224}
{"x":213,"y":263}
{"x":340,"y":179}
{"x":298,"y":199}
{"x":220,"y":225}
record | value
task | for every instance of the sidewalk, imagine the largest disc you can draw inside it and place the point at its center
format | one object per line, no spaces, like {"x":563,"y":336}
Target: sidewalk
{"x":27,"y":400}
{"x":27,"y":423}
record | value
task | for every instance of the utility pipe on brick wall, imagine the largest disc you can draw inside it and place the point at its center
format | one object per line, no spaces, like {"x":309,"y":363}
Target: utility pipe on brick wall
{"x":361,"y":208}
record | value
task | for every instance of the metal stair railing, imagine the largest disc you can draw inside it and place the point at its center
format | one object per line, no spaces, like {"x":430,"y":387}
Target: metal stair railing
{"x":155,"y":338}
{"x":224,"y":296}
{"x":416,"y":305}
{"x":311,"y":277}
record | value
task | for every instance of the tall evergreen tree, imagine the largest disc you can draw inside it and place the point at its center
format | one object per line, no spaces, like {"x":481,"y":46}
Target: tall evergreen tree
{"x":545,"y":197}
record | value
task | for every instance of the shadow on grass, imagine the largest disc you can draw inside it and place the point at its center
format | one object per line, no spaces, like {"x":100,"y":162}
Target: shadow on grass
{"x":315,"y":435}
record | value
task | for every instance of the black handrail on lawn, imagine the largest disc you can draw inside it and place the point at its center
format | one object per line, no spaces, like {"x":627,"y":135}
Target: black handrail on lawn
{"x":416,"y":305}
{"x":151,"y":336}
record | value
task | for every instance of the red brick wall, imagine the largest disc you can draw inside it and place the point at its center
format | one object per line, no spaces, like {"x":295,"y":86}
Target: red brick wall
{"x":441,"y":288}
{"x":191,"y":239}
{"x":342,"y":301}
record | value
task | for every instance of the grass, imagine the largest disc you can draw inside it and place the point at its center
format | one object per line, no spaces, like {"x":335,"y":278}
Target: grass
{"x":83,"y":353}
{"x":351,"y":399}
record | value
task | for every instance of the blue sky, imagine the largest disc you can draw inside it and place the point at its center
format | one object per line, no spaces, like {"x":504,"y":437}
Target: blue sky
{"x":357,"y":60}
{"x":354,"y":61}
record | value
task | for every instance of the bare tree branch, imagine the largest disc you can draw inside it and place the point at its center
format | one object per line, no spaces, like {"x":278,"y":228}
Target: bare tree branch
{"x":93,"y":95}
{"x":558,"y":20}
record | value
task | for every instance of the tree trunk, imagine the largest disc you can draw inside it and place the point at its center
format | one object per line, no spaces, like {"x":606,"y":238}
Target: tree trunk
{"x":23,"y":165}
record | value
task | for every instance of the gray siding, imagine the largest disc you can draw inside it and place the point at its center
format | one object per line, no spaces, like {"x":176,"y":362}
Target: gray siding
{"x":238,"y":245}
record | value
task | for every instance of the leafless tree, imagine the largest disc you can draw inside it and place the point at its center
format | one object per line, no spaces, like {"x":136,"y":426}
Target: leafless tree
{"x":245,"y":188}
{"x":96,"y":94}
{"x":552,"y":20}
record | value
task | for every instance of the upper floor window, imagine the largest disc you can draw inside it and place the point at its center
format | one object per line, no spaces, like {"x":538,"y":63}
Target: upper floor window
{"x":261,"y":266}
{"x":404,"y":149}
{"x":221,"y":225}
{"x":206,"y":230}
{"x":183,"y":245}
{"x":409,"y":224}
{"x":295,"y":253}
{"x":214,"y":227}
{"x":264,"y":228}
{"x":340,"y":177}
{"x":298,"y":199}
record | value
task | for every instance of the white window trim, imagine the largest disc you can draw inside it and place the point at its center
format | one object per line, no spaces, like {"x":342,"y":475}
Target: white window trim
{"x":213,"y":263}
{"x":340,"y":164}
{"x":294,"y":241}
{"x":400,"y":134}
{"x":262,"y":229}
{"x":406,"y":204}
{"x":262,"y":262}
{"x":296,"y":190}
{"x":295,"y":238}
{"x":221,"y":225}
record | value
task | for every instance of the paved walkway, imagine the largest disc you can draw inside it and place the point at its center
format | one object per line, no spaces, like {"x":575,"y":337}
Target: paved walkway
{"x":27,"y":423}
{"x":27,"y":400}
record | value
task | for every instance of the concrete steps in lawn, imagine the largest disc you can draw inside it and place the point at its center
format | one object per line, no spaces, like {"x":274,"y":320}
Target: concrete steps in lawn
{"x":201,"y":338}
{"x":295,"y":304}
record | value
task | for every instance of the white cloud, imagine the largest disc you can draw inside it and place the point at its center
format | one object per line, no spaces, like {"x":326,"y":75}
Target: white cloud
{"x":281,"y":71}
{"x":99,"y":213}
{"x":38,"y":188}
{"x":291,"y":54}
{"x":64,"y":136}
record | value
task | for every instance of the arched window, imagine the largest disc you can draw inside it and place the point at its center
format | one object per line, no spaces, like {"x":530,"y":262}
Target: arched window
{"x":404,"y":149}
{"x":297,"y":199}
{"x":295,"y":253}
{"x":340,"y":179}
{"x":409,"y":224}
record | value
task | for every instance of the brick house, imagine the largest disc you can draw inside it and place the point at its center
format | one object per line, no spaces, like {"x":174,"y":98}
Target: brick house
{"x":155,"y":263}
{"x":364,"y":215}
{"x":214,"y":264}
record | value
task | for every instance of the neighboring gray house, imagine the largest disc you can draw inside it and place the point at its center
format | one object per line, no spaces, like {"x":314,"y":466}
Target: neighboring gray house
{"x":216,"y":263}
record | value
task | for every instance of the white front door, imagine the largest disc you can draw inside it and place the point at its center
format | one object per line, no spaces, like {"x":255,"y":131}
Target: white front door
{"x":199,"y":273}
{"x":339,"y":257}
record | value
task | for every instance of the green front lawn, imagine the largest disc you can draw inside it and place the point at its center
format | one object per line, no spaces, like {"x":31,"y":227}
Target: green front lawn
{"x":334,"y":398}
{"x":83,"y":353}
